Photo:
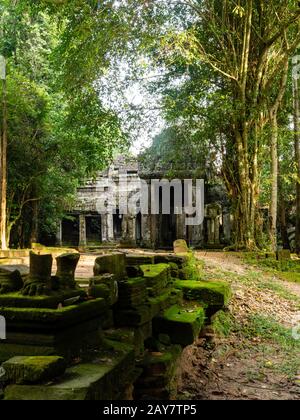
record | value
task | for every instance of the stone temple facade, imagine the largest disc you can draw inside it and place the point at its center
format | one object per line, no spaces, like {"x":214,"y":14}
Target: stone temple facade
{"x":93,"y":223}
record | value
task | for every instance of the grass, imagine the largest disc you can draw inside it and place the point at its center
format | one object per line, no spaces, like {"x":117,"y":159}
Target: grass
{"x":223,"y":324}
{"x":259,"y":280}
{"x":276,"y":343}
{"x":288,"y":270}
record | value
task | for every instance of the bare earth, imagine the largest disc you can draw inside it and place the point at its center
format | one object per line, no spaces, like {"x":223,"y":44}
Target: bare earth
{"x":238,"y":366}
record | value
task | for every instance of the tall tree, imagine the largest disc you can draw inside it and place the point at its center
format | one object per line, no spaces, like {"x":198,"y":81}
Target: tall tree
{"x":3,"y":160}
{"x":296,"y":98}
{"x":247,"y":45}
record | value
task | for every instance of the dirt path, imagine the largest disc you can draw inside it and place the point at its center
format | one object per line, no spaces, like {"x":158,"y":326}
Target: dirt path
{"x":258,"y":359}
{"x":233,"y":264}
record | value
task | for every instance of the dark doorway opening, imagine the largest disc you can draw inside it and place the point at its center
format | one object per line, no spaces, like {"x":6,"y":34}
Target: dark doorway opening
{"x":167,"y":225}
{"x":70,"y":231}
{"x":118,"y":219}
{"x":138,"y":228}
{"x":93,"y":230}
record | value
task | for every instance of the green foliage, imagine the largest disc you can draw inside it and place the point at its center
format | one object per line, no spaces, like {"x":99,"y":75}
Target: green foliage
{"x":57,"y":136}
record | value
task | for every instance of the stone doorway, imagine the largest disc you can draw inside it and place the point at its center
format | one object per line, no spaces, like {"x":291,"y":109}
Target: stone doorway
{"x":167,"y":224}
{"x":70,"y":231}
{"x":138,"y":229}
{"x":93,"y":230}
{"x":118,"y":219}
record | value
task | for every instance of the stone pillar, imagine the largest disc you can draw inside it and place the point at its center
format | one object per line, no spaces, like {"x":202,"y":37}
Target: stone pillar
{"x":59,"y":234}
{"x":128,"y":230}
{"x":82,"y":230}
{"x":104,"y":228}
{"x":146,"y":231}
{"x":180,"y":226}
{"x":213,"y":214}
{"x":110,"y":227}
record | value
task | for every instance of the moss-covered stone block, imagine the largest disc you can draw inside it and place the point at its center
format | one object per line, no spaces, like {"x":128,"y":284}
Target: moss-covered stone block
{"x":134,"y":317}
{"x":139,"y":259}
{"x":165,"y":300}
{"x":9,"y":350}
{"x":182,"y":324}
{"x":156,"y":364}
{"x":111,"y":263}
{"x":212,"y":295}
{"x":178,"y":260}
{"x":105,"y":378}
{"x":191,"y":269}
{"x":104,"y":286}
{"x":10,"y":281}
{"x":157,"y":277}
{"x":159,"y":377}
{"x":69,"y":342}
{"x":50,"y":319}
{"x":132,"y":293}
{"x":17,"y":300}
{"x":33,"y":369}
{"x":134,"y":271}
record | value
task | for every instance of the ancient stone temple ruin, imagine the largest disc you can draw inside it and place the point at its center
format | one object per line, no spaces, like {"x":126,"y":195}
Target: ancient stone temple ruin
{"x":91,"y":221}
{"x":119,"y":335}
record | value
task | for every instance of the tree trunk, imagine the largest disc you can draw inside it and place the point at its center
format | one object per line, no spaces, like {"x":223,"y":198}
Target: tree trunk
{"x":297,"y":158}
{"x":274,"y":182}
{"x":3,"y":174}
{"x":283,"y":225}
{"x":34,"y":227}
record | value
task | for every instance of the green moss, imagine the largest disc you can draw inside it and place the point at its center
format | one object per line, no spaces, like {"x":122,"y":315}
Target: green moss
{"x":102,"y":379}
{"x":182,"y":324}
{"x":155,"y":272}
{"x":192,"y":269}
{"x":8,"y":350}
{"x":16,"y":300}
{"x":222,"y":323}
{"x":162,"y":302}
{"x":214,"y":295}
{"x":33,"y":369}
{"x":163,"y":359}
{"x":50,"y":318}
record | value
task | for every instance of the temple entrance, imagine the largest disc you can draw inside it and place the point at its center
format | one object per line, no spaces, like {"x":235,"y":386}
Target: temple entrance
{"x":93,"y":230}
{"x":138,"y":228}
{"x":70,"y":231}
{"x":167,"y":224}
{"x":118,"y":218}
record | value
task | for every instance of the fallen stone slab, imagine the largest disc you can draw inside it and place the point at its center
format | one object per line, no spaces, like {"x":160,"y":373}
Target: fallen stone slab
{"x":33,"y":369}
